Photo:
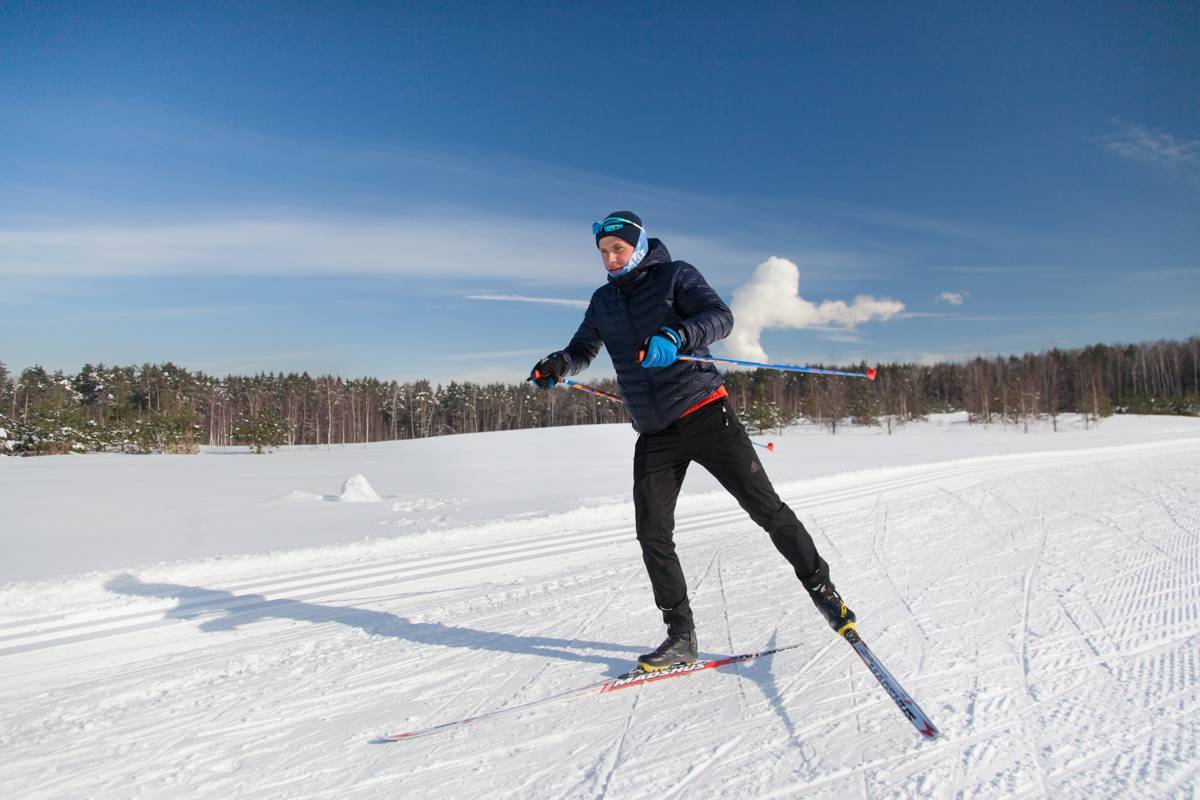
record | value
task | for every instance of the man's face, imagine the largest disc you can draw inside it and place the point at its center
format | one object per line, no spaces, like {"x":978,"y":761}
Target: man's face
{"x":615,"y":253}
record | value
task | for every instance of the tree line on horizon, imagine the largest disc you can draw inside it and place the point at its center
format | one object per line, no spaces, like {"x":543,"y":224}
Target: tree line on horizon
{"x":167,"y":408}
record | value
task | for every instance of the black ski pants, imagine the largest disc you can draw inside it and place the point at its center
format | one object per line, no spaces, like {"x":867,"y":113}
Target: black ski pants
{"x":714,"y":438}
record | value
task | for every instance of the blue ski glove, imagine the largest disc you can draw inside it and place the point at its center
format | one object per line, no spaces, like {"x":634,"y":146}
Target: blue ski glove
{"x":661,"y":349}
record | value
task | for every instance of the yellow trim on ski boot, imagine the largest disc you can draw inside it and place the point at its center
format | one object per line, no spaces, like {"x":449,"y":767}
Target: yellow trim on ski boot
{"x":849,"y":626}
{"x":644,"y":667}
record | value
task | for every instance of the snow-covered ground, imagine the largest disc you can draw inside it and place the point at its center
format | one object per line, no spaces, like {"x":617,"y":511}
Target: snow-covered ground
{"x":227,"y":625}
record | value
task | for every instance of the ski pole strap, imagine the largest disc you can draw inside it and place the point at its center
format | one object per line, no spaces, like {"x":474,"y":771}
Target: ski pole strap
{"x":869,"y":374}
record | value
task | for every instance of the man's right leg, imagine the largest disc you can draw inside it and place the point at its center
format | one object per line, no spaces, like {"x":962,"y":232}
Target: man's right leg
{"x":726,"y":452}
{"x":658,"y":470}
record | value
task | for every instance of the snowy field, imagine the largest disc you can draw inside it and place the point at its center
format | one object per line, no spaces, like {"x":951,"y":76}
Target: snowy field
{"x":227,"y":625}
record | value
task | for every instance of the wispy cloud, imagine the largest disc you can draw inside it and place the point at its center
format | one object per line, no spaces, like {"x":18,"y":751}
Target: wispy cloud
{"x":451,"y":246}
{"x":1074,"y":273}
{"x":1140,"y":143}
{"x":953,"y":298}
{"x":447,"y":244}
{"x":1181,"y":272}
{"x":960,"y":317}
{"x":847,"y":337}
{"x":1048,"y":271}
{"x":906,"y":221}
{"x":487,"y":354}
{"x":930,"y":359}
{"x":261,"y":362}
{"x":519,"y":298}
{"x":463,"y":218}
{"x":176,"y":311}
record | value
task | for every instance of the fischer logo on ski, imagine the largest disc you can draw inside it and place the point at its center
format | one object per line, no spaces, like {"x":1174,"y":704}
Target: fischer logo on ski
{"x":637,"y":676}
{"x":901,"y":698}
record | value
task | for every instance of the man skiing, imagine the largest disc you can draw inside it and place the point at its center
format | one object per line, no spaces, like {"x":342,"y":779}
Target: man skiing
{"x":650,"y":310}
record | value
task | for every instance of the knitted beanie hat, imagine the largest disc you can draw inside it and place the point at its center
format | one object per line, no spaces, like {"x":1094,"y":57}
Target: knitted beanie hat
{"x":625,"y":225}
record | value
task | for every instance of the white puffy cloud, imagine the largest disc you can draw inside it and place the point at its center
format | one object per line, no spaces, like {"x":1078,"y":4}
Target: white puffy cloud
{"x":953,"y":298}
{"x":771,"y":299}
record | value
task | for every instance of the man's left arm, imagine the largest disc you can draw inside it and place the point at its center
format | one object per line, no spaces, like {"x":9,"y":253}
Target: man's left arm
{"x":705,"y":317}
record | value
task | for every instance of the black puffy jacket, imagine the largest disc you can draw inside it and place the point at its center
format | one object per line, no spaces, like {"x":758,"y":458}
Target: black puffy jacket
{"x":627,"y":310}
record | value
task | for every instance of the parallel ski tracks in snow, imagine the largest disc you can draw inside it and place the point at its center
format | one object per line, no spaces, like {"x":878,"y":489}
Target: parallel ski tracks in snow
{"x":1085,"y":637}
{"x":42,"y":632}
{"x":329,"y":583}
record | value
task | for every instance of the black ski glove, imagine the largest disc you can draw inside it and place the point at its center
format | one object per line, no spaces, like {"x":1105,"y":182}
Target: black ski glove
{"x":547,"y":372}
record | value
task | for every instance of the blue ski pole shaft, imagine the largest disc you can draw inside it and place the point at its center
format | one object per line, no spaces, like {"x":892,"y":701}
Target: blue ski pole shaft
{"x":869,"y":374}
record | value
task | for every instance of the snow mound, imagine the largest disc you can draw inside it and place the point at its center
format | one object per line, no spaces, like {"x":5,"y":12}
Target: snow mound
{"x":356,"y":489}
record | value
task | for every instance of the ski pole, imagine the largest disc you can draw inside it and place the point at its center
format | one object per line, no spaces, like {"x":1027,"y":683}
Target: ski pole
{"x":869,"y":374}
{"x":583,"y":387}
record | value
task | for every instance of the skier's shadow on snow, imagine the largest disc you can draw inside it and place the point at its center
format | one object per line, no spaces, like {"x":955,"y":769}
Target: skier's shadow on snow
{"x":235,"y":610}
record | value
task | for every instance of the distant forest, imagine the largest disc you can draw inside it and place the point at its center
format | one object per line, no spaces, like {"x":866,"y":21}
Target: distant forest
{"x":166,"y":408}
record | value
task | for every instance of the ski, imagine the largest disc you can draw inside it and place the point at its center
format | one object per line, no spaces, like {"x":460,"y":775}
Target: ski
{"x":633,"y":678}
{"x":907,"y":705}
{"x":919,"y":719}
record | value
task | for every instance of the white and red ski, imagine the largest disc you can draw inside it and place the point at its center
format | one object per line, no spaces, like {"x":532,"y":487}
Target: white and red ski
{"x":635,"y":678}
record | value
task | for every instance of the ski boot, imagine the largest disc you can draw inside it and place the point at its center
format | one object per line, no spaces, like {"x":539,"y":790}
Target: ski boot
{"x":677,"y":648}
{"x":832,"y":607}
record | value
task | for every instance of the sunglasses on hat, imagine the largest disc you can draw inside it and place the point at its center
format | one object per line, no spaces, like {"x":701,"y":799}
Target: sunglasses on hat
{"x":610,"y":224}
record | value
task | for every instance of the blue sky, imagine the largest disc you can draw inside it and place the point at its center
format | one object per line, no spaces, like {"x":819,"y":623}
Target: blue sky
{"x":261,"y":186}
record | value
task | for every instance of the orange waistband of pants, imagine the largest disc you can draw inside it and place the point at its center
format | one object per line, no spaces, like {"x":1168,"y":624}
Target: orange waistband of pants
{"x":712,"y":398}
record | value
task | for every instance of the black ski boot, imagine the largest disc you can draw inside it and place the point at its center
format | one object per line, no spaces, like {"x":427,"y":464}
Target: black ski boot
{"x":677,"y":648}
{"x":832,"y":607}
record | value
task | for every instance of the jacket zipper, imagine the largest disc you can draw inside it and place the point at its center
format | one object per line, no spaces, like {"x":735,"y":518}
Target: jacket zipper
{"x":649,"y":383}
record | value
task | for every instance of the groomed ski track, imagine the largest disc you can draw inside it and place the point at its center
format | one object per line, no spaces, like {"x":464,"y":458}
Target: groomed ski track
{"x":1044,"y":609}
